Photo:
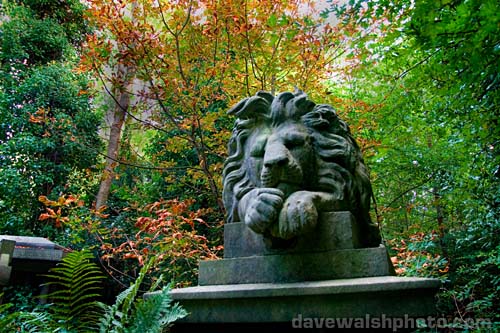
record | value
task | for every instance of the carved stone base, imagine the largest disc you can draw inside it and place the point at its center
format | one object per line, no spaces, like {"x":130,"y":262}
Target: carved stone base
{"x":335,"y":231}
{"x":331,"y":251}
{"x":295,"y":267}
{"x":322,"y":275}
{"x":230,"y":308}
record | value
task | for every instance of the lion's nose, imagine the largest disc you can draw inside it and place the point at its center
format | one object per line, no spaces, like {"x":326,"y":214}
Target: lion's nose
{"x":276,"y":155}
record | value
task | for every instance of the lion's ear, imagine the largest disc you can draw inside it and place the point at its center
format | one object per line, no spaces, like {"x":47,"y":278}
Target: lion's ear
{"x":235,"y":109}
{"x":252,"y":107}
{"x":266,"y":95}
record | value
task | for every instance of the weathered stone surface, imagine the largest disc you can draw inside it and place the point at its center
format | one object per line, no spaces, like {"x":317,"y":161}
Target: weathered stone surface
{"x":28,"y":241}
{"x":5,"y":272}
{"x":276,"y":302}
{"x":6,"y":251}
{"x":34,"y":248}
{"x":38,"y":254}
{"x":335,"y":231}
{"x":289,"y":161}
{"x":296,"y":267}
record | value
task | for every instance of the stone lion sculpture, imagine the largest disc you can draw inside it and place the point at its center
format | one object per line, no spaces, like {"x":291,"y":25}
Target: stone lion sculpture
{"x":289,"y":160}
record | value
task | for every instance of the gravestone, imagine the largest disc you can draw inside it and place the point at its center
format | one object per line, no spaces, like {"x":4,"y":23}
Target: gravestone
{"x":299,"y":241}
{"x":24,"y":260}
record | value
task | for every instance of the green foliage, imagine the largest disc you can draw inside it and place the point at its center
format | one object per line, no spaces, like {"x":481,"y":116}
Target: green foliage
{"x":47,"y":130}
{"x":69,"y":15}
{"x":430,"y":72}
{"x":36,"y":41}
{"x":420,"y":255}
{"x":133,"y":314}
{"x":77,"y":284}
{"x":21,"y":297}
{"x":74,"y":308}
{"x":7,"y":319}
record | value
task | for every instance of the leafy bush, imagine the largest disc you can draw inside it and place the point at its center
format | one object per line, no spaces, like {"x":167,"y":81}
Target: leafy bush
{"x":48,"y":130}
{"x":419,"y":255}
{"x":166,"y":230}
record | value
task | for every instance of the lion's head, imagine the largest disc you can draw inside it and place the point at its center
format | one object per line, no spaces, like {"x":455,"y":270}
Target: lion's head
{"x":286,"y":144}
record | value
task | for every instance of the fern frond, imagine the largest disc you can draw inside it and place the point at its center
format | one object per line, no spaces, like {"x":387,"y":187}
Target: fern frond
{"x":77,"y":282}
{"x":37,"y":322}
{"x":127,"y":302}
{"x":131,"y":314}
{"x":156,"y":313}
{"x":6,"y":319}
{"x":117,"y":315}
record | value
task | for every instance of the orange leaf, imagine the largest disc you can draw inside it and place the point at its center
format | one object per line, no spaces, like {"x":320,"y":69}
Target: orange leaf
{"x":44,"y":216}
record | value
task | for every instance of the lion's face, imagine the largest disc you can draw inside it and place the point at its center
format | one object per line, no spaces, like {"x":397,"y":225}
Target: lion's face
{"x":280,"y":157}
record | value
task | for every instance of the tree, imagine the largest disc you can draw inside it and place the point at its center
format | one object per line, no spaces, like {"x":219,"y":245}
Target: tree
{"x":119,"y":107}
{"x":47,"y":129}
{"x":193,"y":59}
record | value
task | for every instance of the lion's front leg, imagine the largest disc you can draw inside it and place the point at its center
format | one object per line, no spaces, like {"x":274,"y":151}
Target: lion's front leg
{"x":300,"y":211}
{"x":260,"y":208}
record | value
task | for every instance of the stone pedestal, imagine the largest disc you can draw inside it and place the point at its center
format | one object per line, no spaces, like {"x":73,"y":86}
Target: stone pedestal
{"x":335,"y":231}
{"x":329,"y":252}
{"x":296,"y":267}
{"x":289,"y":306}
{"x":262,"y":284}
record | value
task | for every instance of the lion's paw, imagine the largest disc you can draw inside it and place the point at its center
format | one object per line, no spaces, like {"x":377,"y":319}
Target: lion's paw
{"x":298,"y":215}
{"x":264,"y":209}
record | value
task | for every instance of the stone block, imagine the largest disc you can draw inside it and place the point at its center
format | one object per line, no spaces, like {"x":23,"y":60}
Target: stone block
{"x":269,"y":303}
{"x":6,"y":251}
{"x":294,"y":267}
{"x":38,"y":254}
{"x":335,"y":231}
{"x":5,"y":272}
{"x":31,"y":242}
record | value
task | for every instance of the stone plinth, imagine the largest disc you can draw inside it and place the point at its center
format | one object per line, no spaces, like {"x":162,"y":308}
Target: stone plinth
{"x":6,"y":250}
{"x":260,"y":285}
{"x":279,"y":305}
{"x":295,"y":267}
{"x":331,"y":251}
{"x":335,"y":231}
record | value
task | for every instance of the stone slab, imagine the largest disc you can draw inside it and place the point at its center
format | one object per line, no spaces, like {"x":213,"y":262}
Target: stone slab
{"x":5,"y":272}
{"x":282,"y":302}
{"x":34,"y":248}
{"x":296,"y":267}
{"x":28,"y":241}
{"x":6,"y":250}
{"x":38,"y":254}
{"x":335,"y":230}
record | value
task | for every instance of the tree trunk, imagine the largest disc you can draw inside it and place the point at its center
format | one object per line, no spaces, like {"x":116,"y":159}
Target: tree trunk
{"x":119,"y":111}
{"x":440,"y":221}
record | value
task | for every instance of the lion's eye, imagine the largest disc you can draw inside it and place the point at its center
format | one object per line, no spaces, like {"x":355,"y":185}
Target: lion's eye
{"x":294,"y":141}
{"x":258,"y":149}
{"x":257,"y":152}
